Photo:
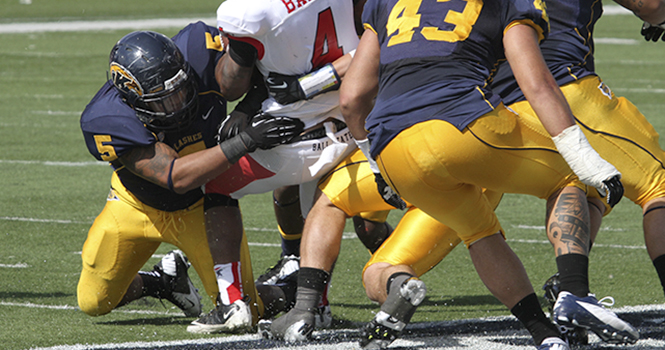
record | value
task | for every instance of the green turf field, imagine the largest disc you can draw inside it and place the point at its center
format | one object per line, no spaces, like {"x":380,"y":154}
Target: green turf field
{"x":53,"y":189}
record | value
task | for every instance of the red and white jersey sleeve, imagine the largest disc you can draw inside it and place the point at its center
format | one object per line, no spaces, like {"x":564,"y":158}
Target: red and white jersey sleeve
{"x":292,"y":37}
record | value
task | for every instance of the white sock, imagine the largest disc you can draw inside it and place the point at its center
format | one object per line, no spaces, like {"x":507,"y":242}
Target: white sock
{"x":229,"y":282}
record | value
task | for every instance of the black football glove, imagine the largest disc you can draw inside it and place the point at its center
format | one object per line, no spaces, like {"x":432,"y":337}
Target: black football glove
{"x":614,"y":190}
{"x":652,"y":32}
{"x":389,"y":196}
{"x":265,"y":131}
{"x":231,"y":126}
{"x":284,"y":89}
{"x":287,"y":89}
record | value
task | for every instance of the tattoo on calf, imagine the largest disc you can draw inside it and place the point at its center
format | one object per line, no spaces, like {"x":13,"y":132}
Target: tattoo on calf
{"x":568,"y":224}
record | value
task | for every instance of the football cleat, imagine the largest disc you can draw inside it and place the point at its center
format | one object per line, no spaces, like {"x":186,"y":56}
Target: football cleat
{"x":285,"y":270}
{"x":572,"y":311}
{"x":575,"y":335}
{"x":381,"y":331}
{"x":552,"y":289}
{"x":323,"y":317}
{"x":385,"y":328}
{"x":285,"y":276}
{"x":263,"y":327}
{"x":296,"y":326}
{"x":554,"y":343}
{"x":233,"y":318}
{"x":175,"y":285}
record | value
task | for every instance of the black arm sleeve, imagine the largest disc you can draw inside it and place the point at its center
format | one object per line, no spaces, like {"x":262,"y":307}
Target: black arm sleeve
{"x":242,"y":53}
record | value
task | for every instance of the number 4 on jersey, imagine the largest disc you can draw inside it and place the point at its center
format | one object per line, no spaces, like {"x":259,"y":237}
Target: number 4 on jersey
{"x":326,"y":46}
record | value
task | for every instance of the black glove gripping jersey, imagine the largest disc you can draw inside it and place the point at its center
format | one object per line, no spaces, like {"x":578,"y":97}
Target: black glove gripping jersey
{"x":110,"y":127}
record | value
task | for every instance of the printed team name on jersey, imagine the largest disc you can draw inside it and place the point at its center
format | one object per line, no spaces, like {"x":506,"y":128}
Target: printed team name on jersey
{"x":319,"y":146}
{"x":187,"y":140}
{"x":292,"y":5}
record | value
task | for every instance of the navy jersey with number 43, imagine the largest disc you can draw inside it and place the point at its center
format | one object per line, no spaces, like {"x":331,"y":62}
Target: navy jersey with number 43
{"x":111,"y":129}
{"x":437,"y":58}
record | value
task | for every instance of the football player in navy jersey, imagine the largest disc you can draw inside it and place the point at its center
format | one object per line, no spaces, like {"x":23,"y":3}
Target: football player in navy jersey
{"x":440,"y":136}
{"x":156,"y":122}
{"x":612,"y":124}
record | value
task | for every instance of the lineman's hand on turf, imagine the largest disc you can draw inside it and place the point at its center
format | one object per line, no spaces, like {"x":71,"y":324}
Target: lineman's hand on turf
{"x":265,"y":131}
{"x":387,"y":193}
{"x":652,"y":32}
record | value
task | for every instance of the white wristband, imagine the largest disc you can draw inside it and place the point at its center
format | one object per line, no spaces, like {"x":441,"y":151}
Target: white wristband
{"x":585,"y":162}
{"x":319,"y":81}
{"x":364,"y":147}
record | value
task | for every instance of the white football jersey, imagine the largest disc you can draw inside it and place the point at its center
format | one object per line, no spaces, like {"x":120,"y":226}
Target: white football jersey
{"x":295,"y":37}
{"x":292,"y":37}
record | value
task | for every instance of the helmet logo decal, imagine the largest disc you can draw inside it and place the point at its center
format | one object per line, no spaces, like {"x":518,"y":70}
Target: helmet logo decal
{"x":124,"y":80}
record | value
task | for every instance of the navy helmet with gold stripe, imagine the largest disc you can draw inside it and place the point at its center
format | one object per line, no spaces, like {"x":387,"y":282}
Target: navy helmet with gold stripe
{"x":152,"y":76}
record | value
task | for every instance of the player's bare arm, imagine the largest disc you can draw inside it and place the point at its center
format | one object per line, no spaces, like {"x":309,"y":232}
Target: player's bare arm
{"x":153,"y":163}
{"x":535,"y":80}
{"x":650,"y":11}
{"x":233,"y":79}
{"x":360,"y":85}
{"x":543,"y":93}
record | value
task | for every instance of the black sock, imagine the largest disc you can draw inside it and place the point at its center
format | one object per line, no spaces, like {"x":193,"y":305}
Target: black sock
{"x":290,"y":247}
{"x":529,"y":312}
{"x":574,"y":274}
{"x":659,"y":264}
{"x":311,"y":285}
{"x":151,"y":283}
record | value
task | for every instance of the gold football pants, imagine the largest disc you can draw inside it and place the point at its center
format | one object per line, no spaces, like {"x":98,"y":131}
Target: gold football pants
{"x":418,"y":239}
{"x":613,"y":126}
{"x":126,"y":234}
{"x":443,"y":170}
{"x":618,"y":132}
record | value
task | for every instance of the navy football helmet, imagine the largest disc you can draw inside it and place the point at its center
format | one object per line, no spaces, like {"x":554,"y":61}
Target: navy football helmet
{"x":152,"y":76}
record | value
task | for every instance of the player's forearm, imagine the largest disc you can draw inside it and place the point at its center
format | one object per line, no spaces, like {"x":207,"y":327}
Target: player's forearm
{"x":342,"y":64}
{"x":196,"y":169}
{"x":650,"y":11}
{"x":535,"y":79}
{"x":355,"y":102}
{"x":233,"y":80}
{"x":355,"y":119}
{"x":360,"y":85}
{"x":550,"y":105}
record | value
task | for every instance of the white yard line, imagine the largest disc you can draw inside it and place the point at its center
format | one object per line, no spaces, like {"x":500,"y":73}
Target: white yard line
{"x":346,"y":235}
{"x":51,"y":163}
{"x":15,"y":266}
{"x":69,"y":307}
{"x":448,"y":335}
{"x":75,"y":26}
